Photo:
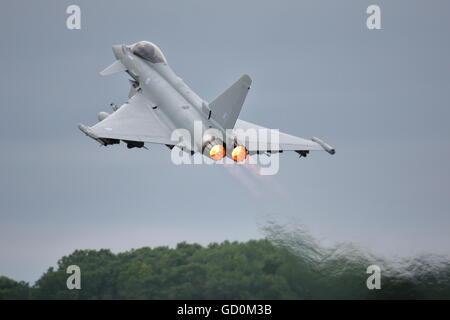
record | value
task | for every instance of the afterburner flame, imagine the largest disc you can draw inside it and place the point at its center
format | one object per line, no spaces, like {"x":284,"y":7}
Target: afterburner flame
{"x":217,"y":152}
{"x":239,"y":154}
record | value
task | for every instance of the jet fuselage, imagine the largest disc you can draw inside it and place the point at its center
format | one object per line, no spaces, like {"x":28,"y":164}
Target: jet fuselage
{"x":179,"y":106}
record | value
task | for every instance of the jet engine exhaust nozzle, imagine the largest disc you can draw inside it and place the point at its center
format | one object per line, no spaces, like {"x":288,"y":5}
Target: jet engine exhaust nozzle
{"x":217,"y":152}
{"x":239,"y":154}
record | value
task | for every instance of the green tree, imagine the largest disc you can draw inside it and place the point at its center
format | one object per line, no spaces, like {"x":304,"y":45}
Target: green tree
{"x":13,"y":290}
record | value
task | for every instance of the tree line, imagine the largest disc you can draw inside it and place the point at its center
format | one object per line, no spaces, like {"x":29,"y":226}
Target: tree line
{"x":256,"y":269}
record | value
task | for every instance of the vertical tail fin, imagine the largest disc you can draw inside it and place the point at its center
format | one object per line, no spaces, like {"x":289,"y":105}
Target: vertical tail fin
{"x":226,"y":107}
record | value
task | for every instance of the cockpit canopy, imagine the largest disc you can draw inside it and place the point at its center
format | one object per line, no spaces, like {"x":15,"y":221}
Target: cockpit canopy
{"x":148,"y":51}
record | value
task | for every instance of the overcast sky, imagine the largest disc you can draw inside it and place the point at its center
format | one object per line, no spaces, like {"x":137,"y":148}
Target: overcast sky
{"x":380,"y":97}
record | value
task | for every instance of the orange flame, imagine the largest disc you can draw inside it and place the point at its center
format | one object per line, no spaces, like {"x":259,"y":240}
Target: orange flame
{"x":239,"y":154}
{"x":217,"y":152}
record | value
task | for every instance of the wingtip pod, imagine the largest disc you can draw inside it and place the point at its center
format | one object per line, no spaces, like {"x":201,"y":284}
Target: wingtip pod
{"x":83,"y":128}
{"x":324,"y":145}
{"x":87,"y":131}
{"x":247,"y":80}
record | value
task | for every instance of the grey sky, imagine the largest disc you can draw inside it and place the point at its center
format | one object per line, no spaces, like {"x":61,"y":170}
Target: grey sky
{"x":381,"y":98}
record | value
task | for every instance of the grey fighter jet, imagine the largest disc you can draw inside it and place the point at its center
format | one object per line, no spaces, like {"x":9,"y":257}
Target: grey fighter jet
{"x":160,"y":103}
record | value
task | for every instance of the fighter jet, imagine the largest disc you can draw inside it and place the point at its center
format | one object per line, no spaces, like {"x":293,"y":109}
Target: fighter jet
{"x":160,"y":103}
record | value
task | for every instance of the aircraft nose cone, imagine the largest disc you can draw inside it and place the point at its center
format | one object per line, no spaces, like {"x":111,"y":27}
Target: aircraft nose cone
{"x":117,"y":50}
